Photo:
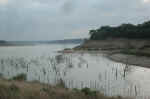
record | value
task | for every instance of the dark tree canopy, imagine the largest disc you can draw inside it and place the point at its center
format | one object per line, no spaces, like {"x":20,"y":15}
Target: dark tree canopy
{"x":130,"y":31}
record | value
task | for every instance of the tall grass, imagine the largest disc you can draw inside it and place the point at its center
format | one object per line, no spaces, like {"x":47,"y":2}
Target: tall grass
{"x":29,"y":91}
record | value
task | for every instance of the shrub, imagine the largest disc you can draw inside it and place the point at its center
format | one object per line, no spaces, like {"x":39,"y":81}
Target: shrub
{"x":89,"y":92}
{"x":20,"y":77}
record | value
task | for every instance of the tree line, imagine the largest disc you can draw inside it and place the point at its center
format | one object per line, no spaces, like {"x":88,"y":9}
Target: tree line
{"x":130,"y":31}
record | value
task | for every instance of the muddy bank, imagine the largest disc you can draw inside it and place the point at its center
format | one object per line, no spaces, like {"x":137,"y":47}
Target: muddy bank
{"x":130,"y":59}
{"x":133,"y":52}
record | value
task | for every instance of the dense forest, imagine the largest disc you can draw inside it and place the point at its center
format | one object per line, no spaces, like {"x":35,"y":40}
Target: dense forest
{"x":130,"y":31}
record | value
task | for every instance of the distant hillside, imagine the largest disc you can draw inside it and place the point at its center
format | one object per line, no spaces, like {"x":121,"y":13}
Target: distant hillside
{"x":126,"y":39}
{"x":20,"y":43}
{"x":66,"y":41}
{"x":130,"y":31}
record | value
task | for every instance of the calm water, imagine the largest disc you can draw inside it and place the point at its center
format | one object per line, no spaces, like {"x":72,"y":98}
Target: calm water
{"x":78,"y":70}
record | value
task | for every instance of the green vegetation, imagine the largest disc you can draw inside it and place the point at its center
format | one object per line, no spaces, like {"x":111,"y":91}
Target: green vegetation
{"x":24,"y":90}
{"x":88,"y":91}
{"x":130,"y":31}
{"x":20,"y":77}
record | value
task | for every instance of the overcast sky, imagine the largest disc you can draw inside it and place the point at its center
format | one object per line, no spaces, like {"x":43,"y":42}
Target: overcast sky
{"x":62,"y":19}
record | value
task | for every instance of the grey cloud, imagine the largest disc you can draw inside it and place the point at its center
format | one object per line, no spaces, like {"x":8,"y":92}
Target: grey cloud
{"x":59,"y":19}
{"x":68,"y":6}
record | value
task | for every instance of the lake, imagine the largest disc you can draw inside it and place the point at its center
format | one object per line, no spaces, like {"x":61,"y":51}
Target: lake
{"x":78,"y":70}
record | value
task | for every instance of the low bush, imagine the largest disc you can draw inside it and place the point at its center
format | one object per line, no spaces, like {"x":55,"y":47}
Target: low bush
{"x":88,"y":91}
{"x":20,"y":77}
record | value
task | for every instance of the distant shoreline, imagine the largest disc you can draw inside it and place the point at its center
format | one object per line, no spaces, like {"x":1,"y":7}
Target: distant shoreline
{"x":11,"y":45}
